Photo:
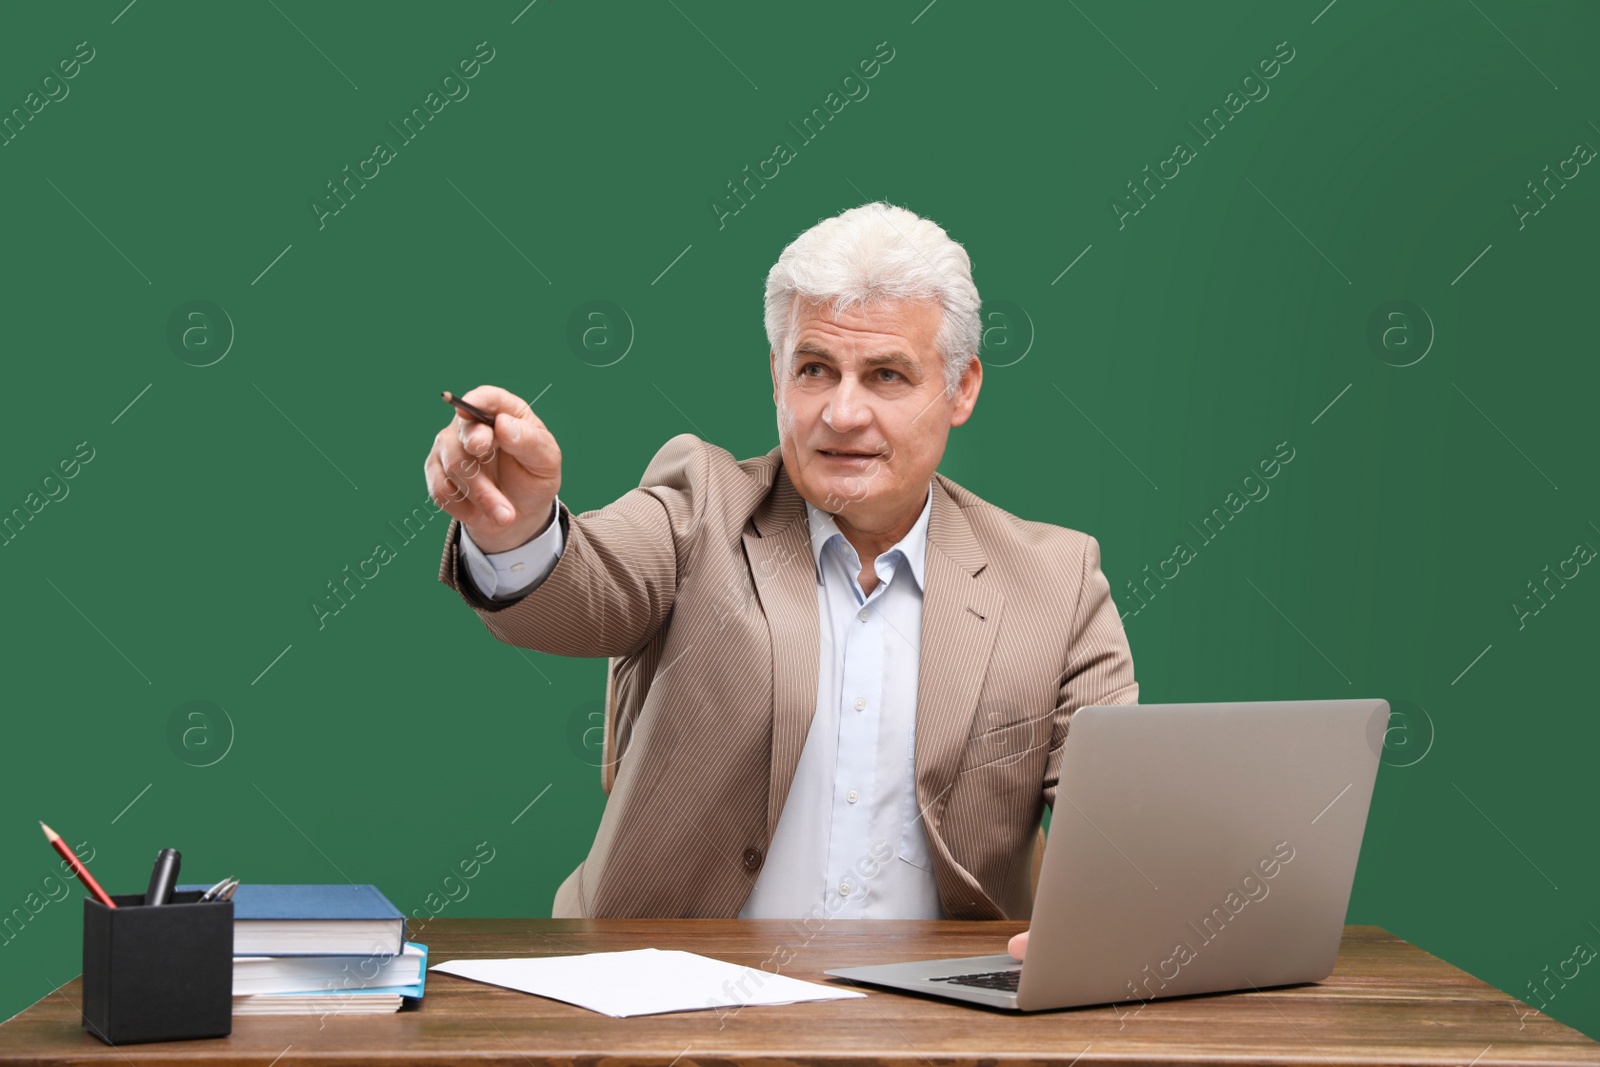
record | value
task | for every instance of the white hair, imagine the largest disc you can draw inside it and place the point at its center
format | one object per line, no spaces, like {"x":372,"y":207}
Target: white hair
{"x":873,"y":253}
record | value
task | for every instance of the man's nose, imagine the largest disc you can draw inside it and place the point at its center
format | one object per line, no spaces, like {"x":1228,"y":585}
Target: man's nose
{"x":847,"y":408}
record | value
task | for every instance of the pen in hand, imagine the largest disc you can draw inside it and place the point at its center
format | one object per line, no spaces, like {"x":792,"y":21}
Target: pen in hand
{"x":476,"y":414}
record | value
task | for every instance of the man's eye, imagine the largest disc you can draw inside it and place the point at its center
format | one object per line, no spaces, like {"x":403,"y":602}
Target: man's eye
{"x":892,"y":373}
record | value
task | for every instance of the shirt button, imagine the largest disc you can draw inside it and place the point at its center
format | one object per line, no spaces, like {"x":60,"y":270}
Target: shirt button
{"x":861,"y":703}
{"x":752,"y":858}
{"x":852,"y":796}
{"x":844,"y":889}
{"x":864,"y":615}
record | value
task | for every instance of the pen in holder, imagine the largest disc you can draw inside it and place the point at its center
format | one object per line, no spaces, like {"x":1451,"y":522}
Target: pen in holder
{"x":157,"y":973}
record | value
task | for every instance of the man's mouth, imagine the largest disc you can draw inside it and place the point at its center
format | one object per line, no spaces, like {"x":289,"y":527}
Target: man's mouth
{"x":849,"y":455}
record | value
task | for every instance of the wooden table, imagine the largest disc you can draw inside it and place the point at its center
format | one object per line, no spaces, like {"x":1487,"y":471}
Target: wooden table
{"x":1387,"y":1002}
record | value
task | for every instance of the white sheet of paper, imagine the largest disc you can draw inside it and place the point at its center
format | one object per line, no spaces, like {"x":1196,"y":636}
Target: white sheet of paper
{"x":643,"y":981}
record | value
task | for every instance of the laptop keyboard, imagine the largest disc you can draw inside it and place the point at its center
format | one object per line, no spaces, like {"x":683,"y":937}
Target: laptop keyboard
{"x":1004,"y":981}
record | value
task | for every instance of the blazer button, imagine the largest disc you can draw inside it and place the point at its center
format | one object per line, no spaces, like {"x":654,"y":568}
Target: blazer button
{"x":752,"y":858}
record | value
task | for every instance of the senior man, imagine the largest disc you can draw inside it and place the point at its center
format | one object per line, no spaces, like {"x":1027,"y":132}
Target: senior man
{"x":839,"y":682}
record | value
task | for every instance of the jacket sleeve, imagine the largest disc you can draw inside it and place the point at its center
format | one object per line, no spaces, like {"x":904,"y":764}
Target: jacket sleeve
{"x":1099,"y":667}
{"x":617,"y":578}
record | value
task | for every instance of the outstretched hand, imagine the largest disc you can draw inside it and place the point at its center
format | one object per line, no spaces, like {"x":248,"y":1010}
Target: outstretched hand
{"x":500,"y":481}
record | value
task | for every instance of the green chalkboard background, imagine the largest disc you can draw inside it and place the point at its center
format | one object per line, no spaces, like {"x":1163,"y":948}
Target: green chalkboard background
{"x":1355,"y":264}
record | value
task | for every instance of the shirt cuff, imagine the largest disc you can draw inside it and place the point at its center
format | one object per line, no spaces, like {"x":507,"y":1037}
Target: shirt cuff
{"x":513,"y":573}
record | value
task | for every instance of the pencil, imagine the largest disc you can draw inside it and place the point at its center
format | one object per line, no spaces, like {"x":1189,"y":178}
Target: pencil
{"x":77,"y":866}
{"x":477,"y":414}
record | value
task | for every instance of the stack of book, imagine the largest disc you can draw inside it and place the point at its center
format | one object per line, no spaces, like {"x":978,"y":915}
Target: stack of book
{"x":321,"y":950}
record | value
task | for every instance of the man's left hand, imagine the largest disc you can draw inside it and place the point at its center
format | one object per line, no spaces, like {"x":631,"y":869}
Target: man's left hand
{"x":1018,"y":945}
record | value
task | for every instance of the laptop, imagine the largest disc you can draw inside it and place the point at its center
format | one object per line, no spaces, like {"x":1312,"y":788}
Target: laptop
{"x":1193,"y":848}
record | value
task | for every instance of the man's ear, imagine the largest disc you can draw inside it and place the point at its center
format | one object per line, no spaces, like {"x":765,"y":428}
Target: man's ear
{"x":966,"y":397}
{"x":772,"y":362}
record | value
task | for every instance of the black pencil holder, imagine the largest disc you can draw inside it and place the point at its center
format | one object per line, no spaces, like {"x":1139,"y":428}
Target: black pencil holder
{"x":159,"y":973}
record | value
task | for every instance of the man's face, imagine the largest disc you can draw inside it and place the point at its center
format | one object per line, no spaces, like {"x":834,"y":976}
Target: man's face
{"x":862,"y":411}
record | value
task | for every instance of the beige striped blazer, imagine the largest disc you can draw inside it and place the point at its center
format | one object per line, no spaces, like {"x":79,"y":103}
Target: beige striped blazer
{"x":700,"y":586}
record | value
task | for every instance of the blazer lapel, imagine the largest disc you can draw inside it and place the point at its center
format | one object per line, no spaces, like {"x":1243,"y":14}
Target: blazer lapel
{"x":785,"y":573}
{"x":960,"y":618}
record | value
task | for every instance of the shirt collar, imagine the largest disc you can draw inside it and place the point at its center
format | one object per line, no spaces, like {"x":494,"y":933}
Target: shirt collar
{"x":913,"y":546}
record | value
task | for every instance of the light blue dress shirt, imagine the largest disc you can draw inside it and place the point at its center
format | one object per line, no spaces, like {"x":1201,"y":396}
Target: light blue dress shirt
{"x":850,"y":841}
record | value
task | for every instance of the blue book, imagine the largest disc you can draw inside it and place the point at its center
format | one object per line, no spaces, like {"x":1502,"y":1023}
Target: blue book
{"x":333,"y":996}
{"x":315,"y":920}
